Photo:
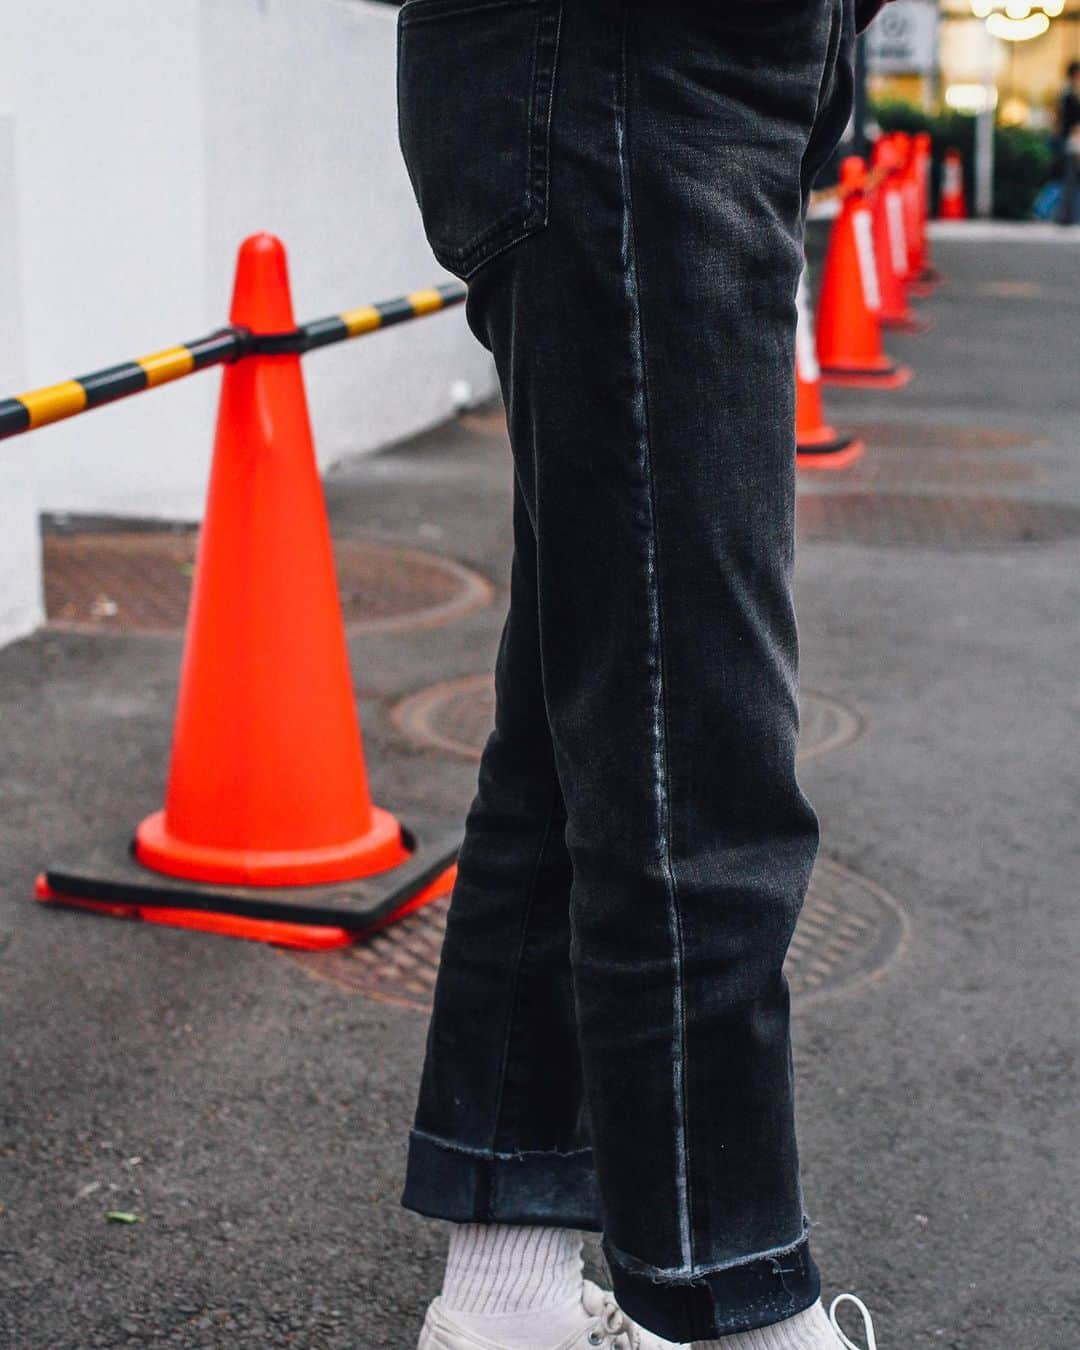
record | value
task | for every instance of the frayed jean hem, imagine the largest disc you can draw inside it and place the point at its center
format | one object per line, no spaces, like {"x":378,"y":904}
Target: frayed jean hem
{"x":717,"y":1300}
{"x":446,"y":1179}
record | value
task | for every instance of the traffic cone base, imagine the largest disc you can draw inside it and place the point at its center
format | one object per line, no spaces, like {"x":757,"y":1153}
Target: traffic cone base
{"x":304,"y":937}
{"x":844,"y":377}
{"x":111,"y":880}
{"x":374,"y":851}
{"x":837,"y":453}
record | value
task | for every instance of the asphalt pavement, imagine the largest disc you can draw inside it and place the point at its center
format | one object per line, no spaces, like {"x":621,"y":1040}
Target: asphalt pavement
{"x":252,"y":1115}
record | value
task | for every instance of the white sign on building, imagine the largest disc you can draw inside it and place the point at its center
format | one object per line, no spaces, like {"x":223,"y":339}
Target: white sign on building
{"x":903,"y":39}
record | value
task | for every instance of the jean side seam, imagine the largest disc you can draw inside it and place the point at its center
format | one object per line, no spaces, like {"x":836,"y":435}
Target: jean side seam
{"x":530,"y":897}
{"x":656,"y":633}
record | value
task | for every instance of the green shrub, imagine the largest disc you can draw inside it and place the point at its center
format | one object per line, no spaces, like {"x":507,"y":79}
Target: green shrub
{"x":1022,"y":158}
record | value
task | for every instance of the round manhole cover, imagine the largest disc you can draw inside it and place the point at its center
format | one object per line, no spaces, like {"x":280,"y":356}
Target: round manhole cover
{"x":825,"y":724}
{"x":848,"y":932}
{"x":457,"y":716}
{"x":139,"y":581}
{"x":454,"y":715}
{"x":910,"y":520}
{"x":935,"y":436}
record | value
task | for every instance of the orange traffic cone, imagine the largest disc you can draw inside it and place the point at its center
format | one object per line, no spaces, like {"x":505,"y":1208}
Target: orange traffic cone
{"x":911,"y":200}
{"x":952,"y":204}
{"x":267,"y":809}
{"x":848,"y":326}
{"x":268,"y":784}
{"x":890,"y":242}
{"x":818,"y":446}
{"x":922,"y":155}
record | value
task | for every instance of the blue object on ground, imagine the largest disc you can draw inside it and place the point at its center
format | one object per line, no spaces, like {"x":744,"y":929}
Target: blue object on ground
{"x":1048,"y":202}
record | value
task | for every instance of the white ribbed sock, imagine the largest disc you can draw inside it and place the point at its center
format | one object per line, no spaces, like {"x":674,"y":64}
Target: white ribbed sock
{"x":807,"y":1330}
{"x":519,"y":1286}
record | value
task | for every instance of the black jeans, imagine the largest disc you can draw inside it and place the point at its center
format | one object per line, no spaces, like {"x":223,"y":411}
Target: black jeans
{"x":623,"y":184}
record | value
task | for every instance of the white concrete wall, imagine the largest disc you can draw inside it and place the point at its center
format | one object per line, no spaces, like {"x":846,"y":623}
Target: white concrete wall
{"x":151,"y":138}
{"x":20,"y":548}
{"x":109,"y":175}
{"x":312,"y":155}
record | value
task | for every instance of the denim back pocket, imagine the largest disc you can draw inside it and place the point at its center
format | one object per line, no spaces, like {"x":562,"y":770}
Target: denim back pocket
{"x":475,"y":86}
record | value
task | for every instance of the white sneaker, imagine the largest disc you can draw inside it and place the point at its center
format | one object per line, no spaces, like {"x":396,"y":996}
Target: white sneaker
{"x":603,"y":1324}
{"x":868,"y":1322}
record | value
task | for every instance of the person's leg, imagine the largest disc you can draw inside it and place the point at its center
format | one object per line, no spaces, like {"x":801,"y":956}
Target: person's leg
{"x":498,"y":1134}
{"x":498,"y":1142}
{"x":643,"y":330}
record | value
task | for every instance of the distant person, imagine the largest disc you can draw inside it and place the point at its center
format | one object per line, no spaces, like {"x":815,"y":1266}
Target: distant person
{"x":1069,"y":129}
{"x":623,"y":185}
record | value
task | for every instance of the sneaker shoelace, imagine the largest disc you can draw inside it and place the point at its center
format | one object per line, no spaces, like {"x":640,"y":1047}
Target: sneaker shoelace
{"x":614,"y":1325}
{"x":868,"y":1322}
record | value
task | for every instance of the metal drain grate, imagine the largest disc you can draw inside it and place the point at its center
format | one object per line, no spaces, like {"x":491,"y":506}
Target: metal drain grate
{"x":456,"y":716}
{"x":913,"y":469}
{"x":897,"y":519}
{"x":140,"y":580}
{"x":927,"y":436}
{"x":1012,"y":290}
{"x":935,"y":436}
{"x":848,"y":932}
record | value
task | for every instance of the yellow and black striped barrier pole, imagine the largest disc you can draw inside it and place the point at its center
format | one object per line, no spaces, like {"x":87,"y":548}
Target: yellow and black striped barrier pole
{"x":39,"y":407}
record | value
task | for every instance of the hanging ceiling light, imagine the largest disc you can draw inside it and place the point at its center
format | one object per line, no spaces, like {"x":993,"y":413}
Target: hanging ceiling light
{"x":1017,"y":20}
{"x":1017,"y":30}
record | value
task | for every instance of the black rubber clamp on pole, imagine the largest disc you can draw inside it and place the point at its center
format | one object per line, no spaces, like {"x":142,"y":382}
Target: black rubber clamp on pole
{"x":292,"y":343}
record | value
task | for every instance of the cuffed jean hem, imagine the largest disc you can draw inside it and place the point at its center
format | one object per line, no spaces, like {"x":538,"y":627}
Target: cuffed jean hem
{"x":447,"y":1180}
{"x":718,"y":1302}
